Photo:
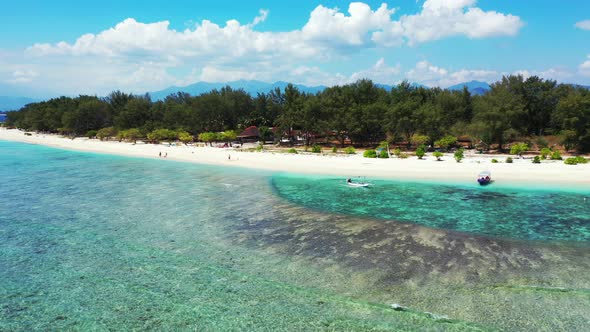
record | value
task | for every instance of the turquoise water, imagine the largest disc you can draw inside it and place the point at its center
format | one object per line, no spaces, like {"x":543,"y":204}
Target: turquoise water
{"x":99,"y":242}
{"x":519,"y":213}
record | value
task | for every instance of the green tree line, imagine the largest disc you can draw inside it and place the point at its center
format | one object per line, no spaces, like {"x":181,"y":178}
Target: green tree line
{"x":361,"y":112}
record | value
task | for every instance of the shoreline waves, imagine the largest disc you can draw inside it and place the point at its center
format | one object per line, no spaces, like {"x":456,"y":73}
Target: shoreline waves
{"x":521,"y":172}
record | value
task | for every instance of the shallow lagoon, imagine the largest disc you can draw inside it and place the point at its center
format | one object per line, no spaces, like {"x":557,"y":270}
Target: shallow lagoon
{"x":553,"y":214}
{"x":103,"y":242}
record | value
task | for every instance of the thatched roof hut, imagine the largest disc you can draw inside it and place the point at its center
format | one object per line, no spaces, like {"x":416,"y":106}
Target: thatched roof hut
{"x":251,"y":132}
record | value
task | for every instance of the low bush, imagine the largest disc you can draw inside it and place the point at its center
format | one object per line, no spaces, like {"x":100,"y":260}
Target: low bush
{"x":91,"y":133}
{"x":207,"y":137}
{"x":459,"y":155}
{"x":106,"y":133}
{"x":292,"y":150}
{"x":545,"y":153}
{"x":383,"y":154}
{"x":131,"y":135}
{"x":350,"y":150}
{"x":581,"y":160}
{"x":419,"y":140}
{"x":397,"y":152}
{"x":519,"y":148}
{"x":556,"y":155}
{"x":570,"y":161}
{"x":160,"y":135}
{"x":316,"y":149}
{"x":403,"y":155}
{"x":446,"y":142}
{"x":494,"y":161}
{"x":370,"y":154}
{"x":185,"y":137}
{"x":335,"y":149}
{"x":509,"y":160}
{"x":437,"y":154}
{"x":537,"y":160}
{"x":420,"y":152}
{"x":260,"y":147}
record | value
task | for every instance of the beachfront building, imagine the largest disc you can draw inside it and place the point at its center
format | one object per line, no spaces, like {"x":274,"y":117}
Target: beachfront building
{"x":250,"y":134}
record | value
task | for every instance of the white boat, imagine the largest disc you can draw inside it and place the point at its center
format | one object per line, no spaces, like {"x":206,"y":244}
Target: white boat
{"x":357,"y":184}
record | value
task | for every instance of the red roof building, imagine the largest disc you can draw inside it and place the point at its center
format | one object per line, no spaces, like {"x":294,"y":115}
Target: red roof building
{"x":250,"y":132}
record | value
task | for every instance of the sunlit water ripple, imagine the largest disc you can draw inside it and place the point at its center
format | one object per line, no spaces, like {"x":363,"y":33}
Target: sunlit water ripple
{"x":99,"y":242}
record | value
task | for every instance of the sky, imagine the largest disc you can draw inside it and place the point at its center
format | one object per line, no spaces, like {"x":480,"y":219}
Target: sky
{"x":62,"y":47}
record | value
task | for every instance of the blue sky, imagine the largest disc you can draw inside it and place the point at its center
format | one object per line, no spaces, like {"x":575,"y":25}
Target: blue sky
{"x":57,"y":47}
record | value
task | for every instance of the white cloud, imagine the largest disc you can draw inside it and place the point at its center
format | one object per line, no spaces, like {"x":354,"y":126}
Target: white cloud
{"x":329,"y":26}
{"x":83,"y":75}
{"x":157,"y":41}
{"x":23,"y":76}
{"x":214,"y":74}
{"x":584,"y":25}
{"x":146,"y":77}
{"x":557,"y":74}
{"x":431,"y":75}
{"x":522,"y":72}
{"x":427,"y":74}
{"x":135,"y":56}
{"x":326,"y":29}
{"x":314,"y":76}
{"x":379,"y":73}
{"x":465,"y":75}
{"x":445,"y":18}
{"x":263,"y":14}
{"x":585,"y":67}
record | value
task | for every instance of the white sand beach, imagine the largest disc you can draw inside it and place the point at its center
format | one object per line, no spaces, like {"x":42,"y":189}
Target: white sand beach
{"x":521,"y":172}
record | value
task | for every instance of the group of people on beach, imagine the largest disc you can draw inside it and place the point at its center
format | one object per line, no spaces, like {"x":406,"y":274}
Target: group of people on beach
{"x":163,"y":155}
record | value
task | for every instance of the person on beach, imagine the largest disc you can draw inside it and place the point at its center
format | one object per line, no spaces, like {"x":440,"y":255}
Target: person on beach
{"x":166,"y":155}
{"x":228,"y":156}
{"x":160,"y":154}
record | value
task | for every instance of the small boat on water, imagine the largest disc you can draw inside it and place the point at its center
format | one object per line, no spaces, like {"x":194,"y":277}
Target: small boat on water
{"x":484,"y":178}
{"x":356,"y":184}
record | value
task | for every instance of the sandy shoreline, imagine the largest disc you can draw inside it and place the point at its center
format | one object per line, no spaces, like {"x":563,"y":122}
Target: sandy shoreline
{"x":522,"y":171}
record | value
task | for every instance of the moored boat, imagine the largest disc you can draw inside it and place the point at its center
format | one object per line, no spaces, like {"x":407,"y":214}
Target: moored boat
{"x":484,"y":178}
{"x":356,"y":184}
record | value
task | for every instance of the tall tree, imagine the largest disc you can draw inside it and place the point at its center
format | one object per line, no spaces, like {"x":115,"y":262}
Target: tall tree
{"x":498,"y":111}
{"x":289,"y":119}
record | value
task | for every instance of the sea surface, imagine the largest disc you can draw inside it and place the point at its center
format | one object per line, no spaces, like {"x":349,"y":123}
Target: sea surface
{"x":101,"y":242}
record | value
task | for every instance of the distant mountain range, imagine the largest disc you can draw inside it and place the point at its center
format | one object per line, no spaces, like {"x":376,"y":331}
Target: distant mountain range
{"x":14,"y":103}
{"x":474,"y":87}
{"x":582,"y":86}
{"x":8,"y":103}
{"x":389,"y":87}
{"x":254,"y":87}
{"x":251,"y":87}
